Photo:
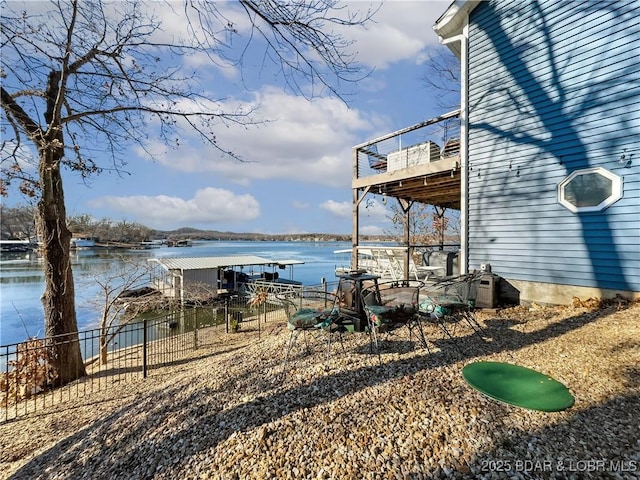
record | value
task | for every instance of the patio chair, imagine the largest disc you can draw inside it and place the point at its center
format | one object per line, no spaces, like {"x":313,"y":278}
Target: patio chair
{"x":416,"y":272}
{"x":450,"y":301}
{"x":451,"y":148}
{"x":306,"y":319}
{"x":325,"y":317}
{"x":377,"y":161}
{"x":390,"y":306}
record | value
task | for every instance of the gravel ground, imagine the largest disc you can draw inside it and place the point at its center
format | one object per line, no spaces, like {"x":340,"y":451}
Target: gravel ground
{"x":231,"y":414}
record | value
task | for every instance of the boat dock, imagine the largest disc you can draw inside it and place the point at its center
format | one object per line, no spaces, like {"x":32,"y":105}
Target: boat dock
{"x":17,"y":246}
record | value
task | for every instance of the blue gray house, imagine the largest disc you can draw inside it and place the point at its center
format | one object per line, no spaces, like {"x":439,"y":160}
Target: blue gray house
{"x":549,"y":158}
{"x":551,"y":115}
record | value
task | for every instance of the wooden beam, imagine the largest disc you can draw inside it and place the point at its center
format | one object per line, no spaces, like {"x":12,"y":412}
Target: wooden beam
{"x":445,"y":165}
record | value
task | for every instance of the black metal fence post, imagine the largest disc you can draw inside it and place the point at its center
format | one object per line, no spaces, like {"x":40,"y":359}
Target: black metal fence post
{"x":226,"y":314}
{"x":195,"y":329}
{"x":324,"y":289}
{"x":144,"y":348}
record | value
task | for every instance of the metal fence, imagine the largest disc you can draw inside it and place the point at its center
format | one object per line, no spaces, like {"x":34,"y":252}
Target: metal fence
{"x":120,"y":353}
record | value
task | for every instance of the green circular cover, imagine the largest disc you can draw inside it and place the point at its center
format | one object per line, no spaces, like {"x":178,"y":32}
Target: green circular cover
{"x":518,"y":386}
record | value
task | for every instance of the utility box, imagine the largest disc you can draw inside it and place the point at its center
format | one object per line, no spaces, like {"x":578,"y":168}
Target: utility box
{"x":420,"y":154}
{"x":439,"y":258}
{"x":487,"y":294}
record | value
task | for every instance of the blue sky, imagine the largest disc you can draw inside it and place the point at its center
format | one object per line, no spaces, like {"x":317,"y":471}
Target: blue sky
{"x":298,"y":176}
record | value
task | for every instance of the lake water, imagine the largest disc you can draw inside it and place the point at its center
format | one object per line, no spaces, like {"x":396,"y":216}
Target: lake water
{"x":22,"y":279}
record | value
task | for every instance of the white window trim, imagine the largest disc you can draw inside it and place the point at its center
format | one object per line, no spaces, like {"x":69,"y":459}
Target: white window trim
{"x":616,"y":190}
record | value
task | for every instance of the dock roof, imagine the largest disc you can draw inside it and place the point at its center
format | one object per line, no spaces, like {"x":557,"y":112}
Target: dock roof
{"x":204,"y":263}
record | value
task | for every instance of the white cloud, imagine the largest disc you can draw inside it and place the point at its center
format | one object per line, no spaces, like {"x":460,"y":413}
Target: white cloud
{"x":299,"y":204}
{"x":401,"y":30}
{"x":209,"y":206}
{"x":308,"y":142}
{"x":305,"y":141}
{"x":371,"y":230}
{"x":373,"y":216}
{"x":22,"y":155}
{"x":373,"y":210}
{"x":200,"y":60}
{"x":337,"y":209}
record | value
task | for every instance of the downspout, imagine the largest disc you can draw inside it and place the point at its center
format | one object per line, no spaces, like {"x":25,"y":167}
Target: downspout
{"x":463,"y":258}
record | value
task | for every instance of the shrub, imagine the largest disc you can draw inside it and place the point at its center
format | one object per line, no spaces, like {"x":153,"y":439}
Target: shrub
{"x":30,"y":373}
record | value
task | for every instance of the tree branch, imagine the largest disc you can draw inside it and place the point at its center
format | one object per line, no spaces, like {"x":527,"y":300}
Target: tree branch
{"x":16,"y":114}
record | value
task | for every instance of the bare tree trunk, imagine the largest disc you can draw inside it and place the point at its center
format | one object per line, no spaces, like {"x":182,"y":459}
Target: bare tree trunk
{"x":82,"y":52}
{"x":104,"y":352}
{"x":58,"y":298}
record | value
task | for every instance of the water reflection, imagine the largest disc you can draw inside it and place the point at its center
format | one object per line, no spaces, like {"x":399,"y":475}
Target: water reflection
{"x":22,"y":280}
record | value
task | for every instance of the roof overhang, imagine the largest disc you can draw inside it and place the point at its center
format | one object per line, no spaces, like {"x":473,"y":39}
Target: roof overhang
{"x":452,"y":22}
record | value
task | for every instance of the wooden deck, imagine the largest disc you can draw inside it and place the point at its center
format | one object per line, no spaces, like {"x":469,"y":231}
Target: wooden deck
{"x":420,"y":163}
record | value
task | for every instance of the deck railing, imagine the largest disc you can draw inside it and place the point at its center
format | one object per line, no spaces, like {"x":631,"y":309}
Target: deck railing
{"x":425,"y":142}
{"x":387,"y":261}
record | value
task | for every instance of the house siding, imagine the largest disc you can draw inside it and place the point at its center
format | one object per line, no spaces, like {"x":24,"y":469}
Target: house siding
{"x":554,"y":87}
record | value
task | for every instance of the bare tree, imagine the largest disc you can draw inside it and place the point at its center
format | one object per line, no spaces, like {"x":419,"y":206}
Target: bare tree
{"x":446,"y":225}
{"x":17,"y":222}
{"x":426,"y":225}
{"x":125,"y":292}
{"x":85,"y":79}
{"x":82,"y":224}
{"x":116,"y":311}
{"x":421,"y":231}
{"x":442,"y":73}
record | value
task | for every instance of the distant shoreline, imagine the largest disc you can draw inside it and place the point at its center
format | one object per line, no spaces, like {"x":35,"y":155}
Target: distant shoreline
{"x":174,"y":241}
{"x":195,"y":235}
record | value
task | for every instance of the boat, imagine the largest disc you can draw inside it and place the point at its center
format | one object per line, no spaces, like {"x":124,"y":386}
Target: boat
{"x":138,"y":292}
{"x":180,"y":243}
{"x":146,"y":245}
{"x":78,"y":243}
